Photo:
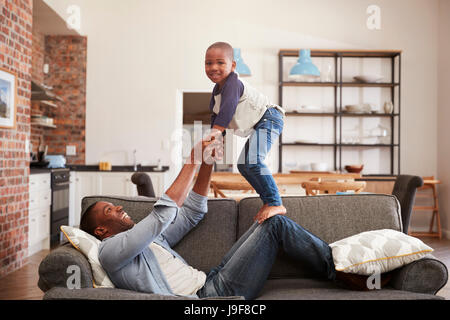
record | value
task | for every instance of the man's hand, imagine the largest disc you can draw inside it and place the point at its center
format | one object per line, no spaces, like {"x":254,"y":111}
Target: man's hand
{"x":209,"y":150}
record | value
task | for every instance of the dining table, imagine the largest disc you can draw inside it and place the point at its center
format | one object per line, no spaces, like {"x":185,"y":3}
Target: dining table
{"x":229,"y":181}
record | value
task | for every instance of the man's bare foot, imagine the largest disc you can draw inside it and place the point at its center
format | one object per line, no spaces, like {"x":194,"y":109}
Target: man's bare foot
{"x":270,"y":211}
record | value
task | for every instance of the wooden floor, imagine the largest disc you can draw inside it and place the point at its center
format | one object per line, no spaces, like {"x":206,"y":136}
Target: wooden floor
{"x":22,"y":284}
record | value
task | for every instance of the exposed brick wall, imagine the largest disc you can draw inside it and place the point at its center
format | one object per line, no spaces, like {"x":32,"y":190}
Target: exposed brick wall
{"x":37,"y":75}
{"x":15,"y":55}
{"x":67,"y":57}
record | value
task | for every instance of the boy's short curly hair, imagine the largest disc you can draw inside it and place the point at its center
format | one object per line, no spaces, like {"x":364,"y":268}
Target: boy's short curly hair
{"x":223,"y":46}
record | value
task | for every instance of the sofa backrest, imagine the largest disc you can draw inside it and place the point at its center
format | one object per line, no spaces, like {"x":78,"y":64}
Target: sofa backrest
{"x":329,"y":217}
{"x":203,"y":247}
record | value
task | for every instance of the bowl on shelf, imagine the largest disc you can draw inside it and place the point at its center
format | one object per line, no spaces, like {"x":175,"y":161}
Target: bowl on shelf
{"x":368,"y":78}
{"x":358,"y":108}
{"x":354,"y":168}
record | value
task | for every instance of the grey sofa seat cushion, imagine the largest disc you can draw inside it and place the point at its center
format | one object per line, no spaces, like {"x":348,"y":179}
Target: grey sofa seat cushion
{"x":315,"y":289}
{"x":205,"y":245}
{"x":330,"y":217}
{"x":58,"y":293}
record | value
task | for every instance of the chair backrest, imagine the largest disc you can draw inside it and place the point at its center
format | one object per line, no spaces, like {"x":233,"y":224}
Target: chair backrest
{"x":313,"y":188}
{"x":405,"y":191}
{"x":144,"y":184}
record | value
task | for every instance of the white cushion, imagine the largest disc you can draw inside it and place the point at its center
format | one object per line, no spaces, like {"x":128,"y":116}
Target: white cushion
{"x":377,"y":251}
{"x":88,"y":245}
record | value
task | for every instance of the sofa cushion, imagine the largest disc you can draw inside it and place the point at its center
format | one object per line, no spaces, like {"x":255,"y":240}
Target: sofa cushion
{"x":88,"y":245}
{"x":329,"y":217}
{"x":203,"y":247}
{"x":377,"y":251}
{"x":58,"y":293}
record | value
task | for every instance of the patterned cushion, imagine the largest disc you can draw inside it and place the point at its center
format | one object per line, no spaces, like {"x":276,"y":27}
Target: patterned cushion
{"x":377,"y":251}
{"x":88,"y":245}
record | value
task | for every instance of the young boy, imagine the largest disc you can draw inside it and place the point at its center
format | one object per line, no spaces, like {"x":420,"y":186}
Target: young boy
{"x":235,"y":105}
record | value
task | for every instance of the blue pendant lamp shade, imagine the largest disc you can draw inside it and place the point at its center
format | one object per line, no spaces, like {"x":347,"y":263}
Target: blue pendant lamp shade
{"x":304,"y":65}
{"x":241,"y":68}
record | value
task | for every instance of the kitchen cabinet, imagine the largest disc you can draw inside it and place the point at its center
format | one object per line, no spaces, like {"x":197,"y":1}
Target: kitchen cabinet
{"x":320,"y":125}
{"x":86,"y":183}
{"x":39,"y":213}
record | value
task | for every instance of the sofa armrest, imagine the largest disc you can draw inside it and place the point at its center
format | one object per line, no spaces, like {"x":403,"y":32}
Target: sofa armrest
{"x":59,"y":293}
{"x":57,"y":268}
{"x":427,"y":275}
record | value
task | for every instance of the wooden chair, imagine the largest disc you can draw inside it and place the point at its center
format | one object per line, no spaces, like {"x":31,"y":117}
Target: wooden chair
{"x":314,"y":188}
{"x":429,"y":183}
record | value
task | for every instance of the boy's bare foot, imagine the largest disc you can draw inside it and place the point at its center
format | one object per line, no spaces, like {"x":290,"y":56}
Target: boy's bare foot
{"x":269,"y":211}
{"x":260,"y":212}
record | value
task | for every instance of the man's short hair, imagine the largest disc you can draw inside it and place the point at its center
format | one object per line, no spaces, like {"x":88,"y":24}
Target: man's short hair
{"x":224,"y":46}
{"x":88,"y":221}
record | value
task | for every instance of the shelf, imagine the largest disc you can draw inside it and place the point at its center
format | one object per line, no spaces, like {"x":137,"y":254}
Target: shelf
{"x":38,"y":124}
{"x":309,"y":144}
{"x":336,"y":112}
{"x":48,"y":103}
{"x":38,"y":93}
{"x":342,"y":114}
{"x":340,"y":144}
{"x":370,"y":145}
{"x":308,"y":84}
{"x":343,"y":53}
{"x":337,"y":84}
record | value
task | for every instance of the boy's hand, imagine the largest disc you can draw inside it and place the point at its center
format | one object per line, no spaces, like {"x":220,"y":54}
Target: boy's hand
{"x":213,"y":150}
{"x":207,"y":151}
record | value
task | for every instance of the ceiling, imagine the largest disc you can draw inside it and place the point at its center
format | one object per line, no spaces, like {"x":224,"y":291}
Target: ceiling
{"x":48,"y":22}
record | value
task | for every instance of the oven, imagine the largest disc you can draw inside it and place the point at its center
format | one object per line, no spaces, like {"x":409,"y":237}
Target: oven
{"x":60,"y":204}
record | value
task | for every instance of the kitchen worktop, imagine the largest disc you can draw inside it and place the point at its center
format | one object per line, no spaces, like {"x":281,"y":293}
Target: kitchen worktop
{"x":94,"y":168}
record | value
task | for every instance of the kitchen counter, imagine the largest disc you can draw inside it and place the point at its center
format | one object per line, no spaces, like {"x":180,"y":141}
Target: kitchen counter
{"x":117,"y":168}
{"x":376,"y":178}
{"x":94,"y":168}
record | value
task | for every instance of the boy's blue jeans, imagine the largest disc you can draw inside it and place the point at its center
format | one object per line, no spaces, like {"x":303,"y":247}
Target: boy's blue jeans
{"x":251,"y":160}
{"x":245,"y":268}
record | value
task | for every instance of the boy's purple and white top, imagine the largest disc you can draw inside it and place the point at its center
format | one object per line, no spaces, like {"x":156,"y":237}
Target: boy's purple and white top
{"x":238,"y":106}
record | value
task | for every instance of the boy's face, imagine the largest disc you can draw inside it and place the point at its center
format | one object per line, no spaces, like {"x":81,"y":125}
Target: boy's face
{"x":218,"y":65}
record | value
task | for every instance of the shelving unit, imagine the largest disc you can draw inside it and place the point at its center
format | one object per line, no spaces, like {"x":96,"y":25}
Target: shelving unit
{"x":46,"y":98}
{"x":338,"y":113}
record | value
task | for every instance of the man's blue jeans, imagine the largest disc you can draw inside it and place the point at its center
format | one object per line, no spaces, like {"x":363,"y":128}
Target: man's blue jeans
{"x":251,"y":160}
{"x":245,"y":268}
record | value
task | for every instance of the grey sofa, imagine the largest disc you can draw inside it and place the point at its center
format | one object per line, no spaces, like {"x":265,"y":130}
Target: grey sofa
{"x":331,"y":217}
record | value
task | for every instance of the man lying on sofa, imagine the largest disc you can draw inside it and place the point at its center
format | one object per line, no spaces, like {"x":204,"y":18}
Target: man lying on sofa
{"x":139,"y":256}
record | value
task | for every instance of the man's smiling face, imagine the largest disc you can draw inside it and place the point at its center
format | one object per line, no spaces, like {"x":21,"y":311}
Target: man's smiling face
{"x":111,"y":219}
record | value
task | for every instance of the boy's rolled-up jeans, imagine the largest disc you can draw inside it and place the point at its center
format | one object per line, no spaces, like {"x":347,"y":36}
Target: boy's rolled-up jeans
{"x":251,"y":160}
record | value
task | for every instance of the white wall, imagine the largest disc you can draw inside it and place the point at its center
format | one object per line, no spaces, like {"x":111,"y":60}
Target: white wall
{"x":443,"y":155}
{"x":142,"y":52}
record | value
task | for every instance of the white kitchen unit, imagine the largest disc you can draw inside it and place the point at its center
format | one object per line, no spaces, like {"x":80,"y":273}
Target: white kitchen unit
{"x":89,"y":183}
{"x":39,"y":213}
